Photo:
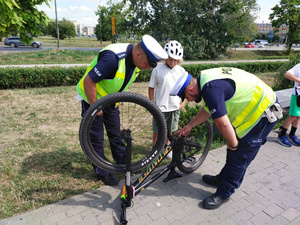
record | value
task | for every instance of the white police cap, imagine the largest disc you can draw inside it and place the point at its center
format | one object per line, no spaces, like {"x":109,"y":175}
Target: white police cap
{"x":180,"y":86}
{"x":153,"y":50}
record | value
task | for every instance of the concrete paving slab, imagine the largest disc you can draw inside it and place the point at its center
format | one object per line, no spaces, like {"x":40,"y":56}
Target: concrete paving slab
{"x":270,"y":194}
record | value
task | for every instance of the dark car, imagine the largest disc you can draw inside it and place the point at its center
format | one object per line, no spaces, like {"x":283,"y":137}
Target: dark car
{"x":235,"y":45}
{"x":15,"y":42}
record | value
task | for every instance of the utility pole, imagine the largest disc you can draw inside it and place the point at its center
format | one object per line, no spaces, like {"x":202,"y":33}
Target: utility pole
{"x":57,"y":30}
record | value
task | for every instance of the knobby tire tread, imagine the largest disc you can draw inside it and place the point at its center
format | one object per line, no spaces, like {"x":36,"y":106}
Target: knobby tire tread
{"x":106,"y":101}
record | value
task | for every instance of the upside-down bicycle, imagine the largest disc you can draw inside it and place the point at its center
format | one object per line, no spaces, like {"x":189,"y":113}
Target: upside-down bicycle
{"x":136,"y":115}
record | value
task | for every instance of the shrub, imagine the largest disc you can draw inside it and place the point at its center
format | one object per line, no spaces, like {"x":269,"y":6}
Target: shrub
{"x":59,"y":76}
{"x":39,"y":77}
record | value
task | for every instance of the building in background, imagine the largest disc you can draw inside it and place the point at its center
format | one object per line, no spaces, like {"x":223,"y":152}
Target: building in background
{"x":89,"y":31}
{"x":84,"y":30}
{"x":265,"y":28}
{"x":78,"y":28}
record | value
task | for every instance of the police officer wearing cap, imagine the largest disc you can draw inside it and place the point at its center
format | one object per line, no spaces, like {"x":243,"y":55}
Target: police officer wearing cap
{"x":113,"y":70}
{"x":244,"y":110}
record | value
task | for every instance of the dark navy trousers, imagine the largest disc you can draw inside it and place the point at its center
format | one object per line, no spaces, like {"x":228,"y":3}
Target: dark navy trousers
{"x":111,"y":121}
{"x":238,"y":161}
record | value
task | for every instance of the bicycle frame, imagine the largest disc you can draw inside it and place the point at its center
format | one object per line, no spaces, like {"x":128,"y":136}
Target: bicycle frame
{"x":129,"y":190}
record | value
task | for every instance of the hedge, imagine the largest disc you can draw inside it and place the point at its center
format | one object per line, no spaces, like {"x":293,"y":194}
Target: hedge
{"x":61,"y":76}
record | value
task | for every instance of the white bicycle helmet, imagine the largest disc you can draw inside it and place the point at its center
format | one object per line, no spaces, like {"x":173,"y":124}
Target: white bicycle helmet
{"x":174,"y":50}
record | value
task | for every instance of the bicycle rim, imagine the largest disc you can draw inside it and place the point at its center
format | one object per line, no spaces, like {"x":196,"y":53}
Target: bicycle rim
{"x":193,"y":157}
{"x":135,"y":116}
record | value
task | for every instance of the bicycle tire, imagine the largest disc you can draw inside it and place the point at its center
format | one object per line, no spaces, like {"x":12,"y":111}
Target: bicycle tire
{"x":203,"y":138}
{"x":135,"y":113}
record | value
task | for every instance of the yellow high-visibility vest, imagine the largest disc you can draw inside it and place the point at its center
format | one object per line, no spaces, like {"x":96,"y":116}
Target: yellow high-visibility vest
{"x":105,"y":87}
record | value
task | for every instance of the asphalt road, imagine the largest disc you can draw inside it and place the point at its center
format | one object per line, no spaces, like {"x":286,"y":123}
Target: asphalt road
{"x":29,"y":48}
{"x":4,"y":48}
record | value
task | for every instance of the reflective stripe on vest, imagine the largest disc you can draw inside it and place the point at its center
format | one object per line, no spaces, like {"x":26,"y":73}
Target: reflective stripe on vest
{"x":255,"y":117}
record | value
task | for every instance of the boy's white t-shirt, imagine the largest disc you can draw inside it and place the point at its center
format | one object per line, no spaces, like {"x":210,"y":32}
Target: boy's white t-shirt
{"x":296,"y":72}
{"x":164,"y":79}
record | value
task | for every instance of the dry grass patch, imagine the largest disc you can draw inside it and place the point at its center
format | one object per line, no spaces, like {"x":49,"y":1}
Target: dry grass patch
{"x":41,"y":158}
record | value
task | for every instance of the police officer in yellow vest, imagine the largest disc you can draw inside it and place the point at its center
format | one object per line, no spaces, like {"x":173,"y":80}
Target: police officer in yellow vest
{"x":244,"y":110}
{"x":113,"y":70}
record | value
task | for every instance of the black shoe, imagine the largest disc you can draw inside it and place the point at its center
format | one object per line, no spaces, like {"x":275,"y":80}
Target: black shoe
{"x":214,"y":201}
{"x":211,"y":180}
{"x":110,"y":179}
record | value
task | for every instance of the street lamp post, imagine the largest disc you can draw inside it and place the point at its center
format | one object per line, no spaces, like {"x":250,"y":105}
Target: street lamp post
{"x":100,"y":29}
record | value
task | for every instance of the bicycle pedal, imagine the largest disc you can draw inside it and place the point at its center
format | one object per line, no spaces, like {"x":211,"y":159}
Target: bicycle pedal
{"x":190,"y":160}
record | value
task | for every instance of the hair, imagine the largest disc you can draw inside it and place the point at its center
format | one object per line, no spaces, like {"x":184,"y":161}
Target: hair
{"x":179,"y":61}
{"x":139,"y":47}
{"x":193,"y":81}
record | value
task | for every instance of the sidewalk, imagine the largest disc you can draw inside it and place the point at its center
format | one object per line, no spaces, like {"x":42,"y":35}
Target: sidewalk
{"x":269,"y":195}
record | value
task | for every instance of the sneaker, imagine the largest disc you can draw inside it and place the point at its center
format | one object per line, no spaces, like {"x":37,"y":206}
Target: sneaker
{"x":110,"y":179}
{"x":294,"y":140}
{"x":284,"y":141}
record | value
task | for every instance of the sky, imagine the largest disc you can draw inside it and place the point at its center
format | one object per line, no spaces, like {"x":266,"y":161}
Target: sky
{"x":83,"y":11}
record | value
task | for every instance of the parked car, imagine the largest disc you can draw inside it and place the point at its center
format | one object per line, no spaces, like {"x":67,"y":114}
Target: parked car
{"x":15,"y":42}
{"x":260,"y":46}
{"x":235,"y":45}
{"x":250,"y":45}
{"x":262,"y":42}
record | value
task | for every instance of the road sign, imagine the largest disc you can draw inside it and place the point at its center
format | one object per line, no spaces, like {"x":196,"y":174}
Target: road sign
{"x":271,"y":35}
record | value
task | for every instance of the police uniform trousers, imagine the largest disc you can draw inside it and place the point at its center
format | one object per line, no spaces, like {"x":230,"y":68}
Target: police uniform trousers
{"x":238,"y":161}
{"x":111,"y":121}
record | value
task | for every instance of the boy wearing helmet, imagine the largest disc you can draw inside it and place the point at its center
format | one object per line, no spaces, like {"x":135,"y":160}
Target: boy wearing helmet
{"x":163,"y":78}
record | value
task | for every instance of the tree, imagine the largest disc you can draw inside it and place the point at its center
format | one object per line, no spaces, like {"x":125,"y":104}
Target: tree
{"x":105,"y":20}
{"x":205,"y":28}
{"x":119,"y":12}
{"x":18,"y":17}
{"x":66,"y":29}
{"x":288,"y":13}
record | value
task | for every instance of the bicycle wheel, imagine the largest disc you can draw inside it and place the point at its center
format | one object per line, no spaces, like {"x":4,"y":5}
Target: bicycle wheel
{"x":134,"y":117}
{"x":196,"y":148}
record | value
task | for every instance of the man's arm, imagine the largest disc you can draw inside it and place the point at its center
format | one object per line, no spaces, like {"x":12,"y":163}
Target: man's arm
{"x":224,"y":126}
{"x":90,"y":89}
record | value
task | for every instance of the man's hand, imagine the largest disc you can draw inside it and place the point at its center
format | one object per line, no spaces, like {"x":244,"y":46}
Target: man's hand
{"x":184,"y":131}
{"x":100,"y":113}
